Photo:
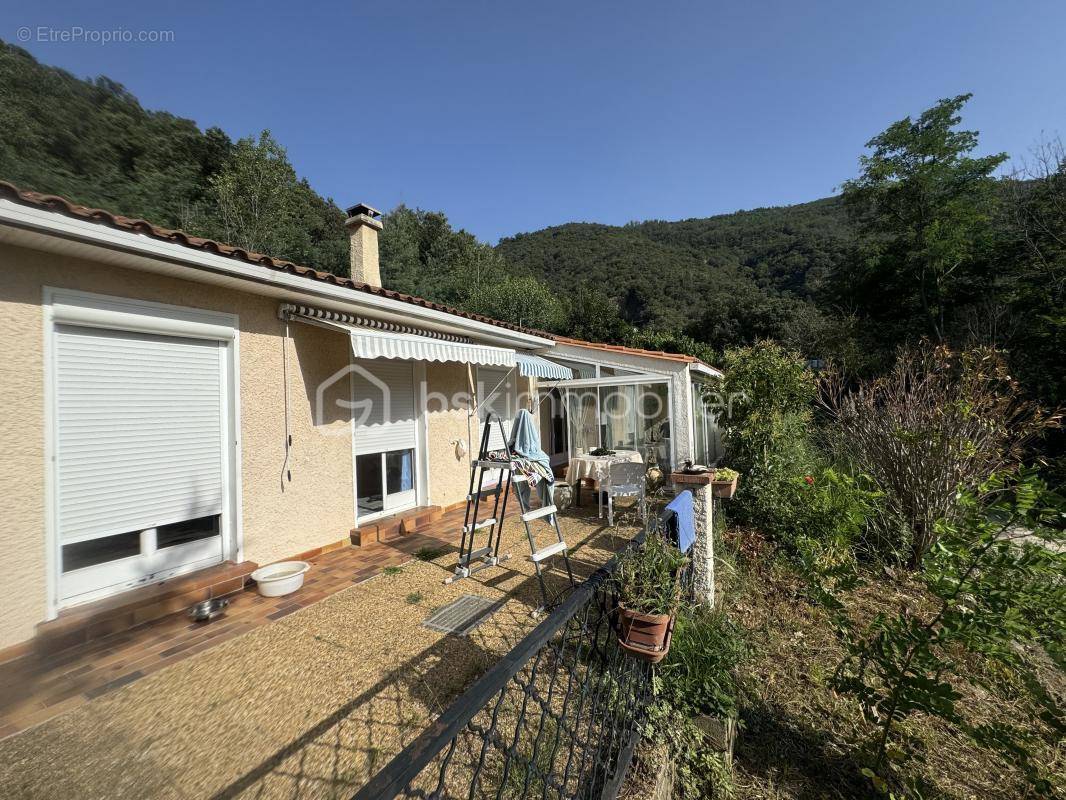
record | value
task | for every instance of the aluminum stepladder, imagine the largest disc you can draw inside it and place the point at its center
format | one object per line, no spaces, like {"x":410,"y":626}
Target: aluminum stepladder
{"x":489,"y":555}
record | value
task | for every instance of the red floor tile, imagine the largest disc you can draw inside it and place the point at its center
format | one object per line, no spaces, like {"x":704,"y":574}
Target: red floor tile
{"x":35,"y":688}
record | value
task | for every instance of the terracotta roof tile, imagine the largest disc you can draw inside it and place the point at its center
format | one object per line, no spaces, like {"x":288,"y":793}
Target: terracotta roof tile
{"x":61,"y":205}
{"x":635,"y":351}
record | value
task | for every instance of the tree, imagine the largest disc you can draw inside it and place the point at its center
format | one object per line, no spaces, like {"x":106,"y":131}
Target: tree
{"x":421,"y":254}
{"x":522,"y":300}
{"x":263,"y":207}
{"x":769,"y":395}
{"x":592,"y":315}
{"x":1034,"y":274}
{"x":926,"y":207}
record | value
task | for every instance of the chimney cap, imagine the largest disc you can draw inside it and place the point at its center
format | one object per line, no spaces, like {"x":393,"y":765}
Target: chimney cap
{"x":363,"y":209}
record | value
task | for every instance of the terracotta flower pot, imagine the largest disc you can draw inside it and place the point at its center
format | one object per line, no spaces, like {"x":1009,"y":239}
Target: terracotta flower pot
{"x":724,"y":489}
{"x":646,"y":636}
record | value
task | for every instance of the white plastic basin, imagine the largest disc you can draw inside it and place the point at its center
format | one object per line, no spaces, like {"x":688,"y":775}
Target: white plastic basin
{"x":280,"y":579}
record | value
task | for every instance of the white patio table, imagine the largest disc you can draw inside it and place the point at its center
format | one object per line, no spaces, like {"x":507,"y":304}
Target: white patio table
{"x":595,"y":468}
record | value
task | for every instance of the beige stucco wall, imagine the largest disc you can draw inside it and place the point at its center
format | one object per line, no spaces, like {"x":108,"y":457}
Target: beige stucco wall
{"x":446,"y":423}
{"x":315,"y":508}
{"x":446,"y":417}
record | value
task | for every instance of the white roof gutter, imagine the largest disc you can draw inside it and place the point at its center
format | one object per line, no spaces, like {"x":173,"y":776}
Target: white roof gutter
{"x":39,"y":229}
{"x":703,"y":369}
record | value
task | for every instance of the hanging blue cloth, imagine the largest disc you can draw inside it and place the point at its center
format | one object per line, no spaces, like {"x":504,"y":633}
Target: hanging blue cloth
{"x":527,"y":440}
{"x":683,"y":521}
{"x":406,"y":473}
{"x":525,"y":444}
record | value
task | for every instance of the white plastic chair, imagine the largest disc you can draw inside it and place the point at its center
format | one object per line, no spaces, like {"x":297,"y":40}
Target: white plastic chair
{"x":625,"y":479}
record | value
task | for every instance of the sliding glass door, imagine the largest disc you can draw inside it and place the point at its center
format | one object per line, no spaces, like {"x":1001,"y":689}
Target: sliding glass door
{"x":620,"y":416}
{"x":384,"y":437}
{"x":385,"y":481}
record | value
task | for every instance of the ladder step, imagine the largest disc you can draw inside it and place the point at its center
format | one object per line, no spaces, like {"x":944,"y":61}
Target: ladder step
{"x":488,"y":464}
{"x":485,"y":523}
{"x":538,"y":513}
{"x":548,"y":551}
{"x":484,"y":551}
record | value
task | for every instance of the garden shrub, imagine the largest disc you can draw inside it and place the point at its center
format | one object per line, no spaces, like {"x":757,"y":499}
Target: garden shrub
{"x":827,"y":515}
{"x":995,"y":577}
{"x":939,"y":423}
{"x":699,"y":674}
{"x":786,"y":491}
{"x":770,"y":396}
{"x":822,"y":513}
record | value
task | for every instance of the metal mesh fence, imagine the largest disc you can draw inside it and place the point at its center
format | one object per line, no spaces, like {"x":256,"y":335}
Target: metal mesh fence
{"x":557,"y":717}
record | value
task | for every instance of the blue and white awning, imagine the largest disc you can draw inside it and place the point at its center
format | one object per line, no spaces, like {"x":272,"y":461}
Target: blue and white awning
{"x":530,"y":366}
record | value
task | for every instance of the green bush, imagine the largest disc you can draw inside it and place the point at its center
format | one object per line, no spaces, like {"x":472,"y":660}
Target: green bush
{"x":829,"y":514}
{"x":698,"y":675}
{"x":995,"y":585}
{"x":647,"y":576}
{"x":822,"y":514}
{"x":770,"y":394}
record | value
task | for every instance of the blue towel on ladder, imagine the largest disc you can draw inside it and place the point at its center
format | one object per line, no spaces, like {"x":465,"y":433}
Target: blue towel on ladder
{"x":526,"y":440}
{"x":684,"y":520}
{"x":526,"y":444}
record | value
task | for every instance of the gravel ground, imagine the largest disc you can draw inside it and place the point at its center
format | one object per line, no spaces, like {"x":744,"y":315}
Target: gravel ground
{"x":308,"y":706}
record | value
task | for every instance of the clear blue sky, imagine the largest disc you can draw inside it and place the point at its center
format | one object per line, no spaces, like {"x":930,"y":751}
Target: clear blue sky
{"x":511,"y":116}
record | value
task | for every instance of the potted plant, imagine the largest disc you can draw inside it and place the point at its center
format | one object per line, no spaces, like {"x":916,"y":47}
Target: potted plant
{"x":724,"y":482}
{"x":648,"y":588}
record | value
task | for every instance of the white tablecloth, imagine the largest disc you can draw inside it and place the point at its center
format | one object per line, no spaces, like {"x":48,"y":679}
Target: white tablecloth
{"x":595,"y":467}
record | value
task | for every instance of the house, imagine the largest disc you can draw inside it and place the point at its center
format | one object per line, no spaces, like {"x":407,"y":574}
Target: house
{"x":173,"y":404}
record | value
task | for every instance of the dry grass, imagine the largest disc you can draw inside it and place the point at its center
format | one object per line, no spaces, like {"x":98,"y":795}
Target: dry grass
{"x":801,"y":740}
{"x":306,"y":707}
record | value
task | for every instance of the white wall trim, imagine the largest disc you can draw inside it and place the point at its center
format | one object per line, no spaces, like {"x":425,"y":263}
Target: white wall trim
{"x":51,"y":532}
{"x":422,"y":459}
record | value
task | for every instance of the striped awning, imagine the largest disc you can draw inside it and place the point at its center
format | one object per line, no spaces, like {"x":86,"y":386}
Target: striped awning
{"x":381,"y":344}
{"x":368,"y":343}
{"x":531,"y":366}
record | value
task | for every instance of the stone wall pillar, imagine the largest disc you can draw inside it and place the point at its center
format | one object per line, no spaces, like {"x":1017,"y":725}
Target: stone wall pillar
{"x":702,"y":554}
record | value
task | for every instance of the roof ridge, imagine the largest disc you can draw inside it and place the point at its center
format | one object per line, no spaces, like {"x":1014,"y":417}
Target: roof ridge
{"x":61,"y":205}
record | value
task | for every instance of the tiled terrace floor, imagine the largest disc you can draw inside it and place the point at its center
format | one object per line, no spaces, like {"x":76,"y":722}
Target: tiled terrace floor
{"x":305,"y":706}
{"x":34,"y":689}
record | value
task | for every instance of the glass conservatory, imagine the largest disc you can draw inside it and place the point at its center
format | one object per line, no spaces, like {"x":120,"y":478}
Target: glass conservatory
{"x":663,"y":406}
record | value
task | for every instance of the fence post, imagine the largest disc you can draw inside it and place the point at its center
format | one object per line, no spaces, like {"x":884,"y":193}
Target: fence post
{"x":703,"y":549}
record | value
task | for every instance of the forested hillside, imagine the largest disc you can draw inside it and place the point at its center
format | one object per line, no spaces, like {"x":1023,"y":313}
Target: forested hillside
{"x":926,"y":241}
{"x":665,"y":275}
{"x":92,"y":142}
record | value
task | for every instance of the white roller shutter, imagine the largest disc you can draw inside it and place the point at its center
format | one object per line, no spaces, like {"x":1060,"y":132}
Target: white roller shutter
{"x":383,"y":406}
{"x":139,"y":431}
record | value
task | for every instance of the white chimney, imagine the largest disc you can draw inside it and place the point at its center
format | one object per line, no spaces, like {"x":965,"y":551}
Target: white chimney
{"x":363,"y":224}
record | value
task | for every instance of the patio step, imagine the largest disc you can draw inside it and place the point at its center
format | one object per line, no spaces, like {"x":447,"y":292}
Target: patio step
{"x":84,"y":623}
{"x":395,"y":525}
